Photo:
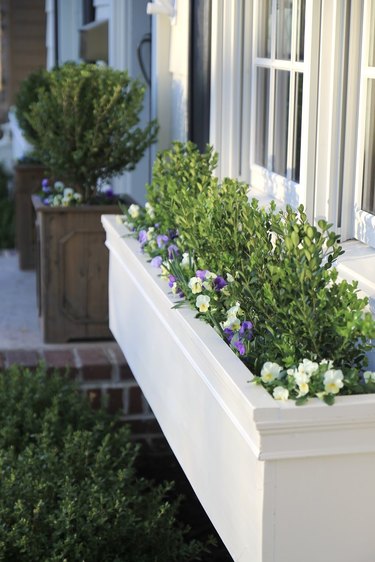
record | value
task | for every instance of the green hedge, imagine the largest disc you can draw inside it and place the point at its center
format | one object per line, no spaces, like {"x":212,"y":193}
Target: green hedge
{"x":68,"y":486}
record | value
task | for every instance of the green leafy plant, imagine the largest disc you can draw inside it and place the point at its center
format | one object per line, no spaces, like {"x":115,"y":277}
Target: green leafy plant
{"x":27,"y":95}
{"x":85,"y":125}
{"x":263,"y":278}
{"x":68,"y":485}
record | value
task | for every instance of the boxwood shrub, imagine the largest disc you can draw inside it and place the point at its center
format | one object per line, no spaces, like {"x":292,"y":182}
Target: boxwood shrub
{"x":68,"y":486}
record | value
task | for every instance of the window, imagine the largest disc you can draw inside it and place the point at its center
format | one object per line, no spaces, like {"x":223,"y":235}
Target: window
{"x":293,"y":105}
{"x":364,"y":219}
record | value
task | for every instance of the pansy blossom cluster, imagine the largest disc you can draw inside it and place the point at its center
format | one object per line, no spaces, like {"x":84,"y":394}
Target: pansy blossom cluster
{"x":312,"y":379}
{"x":58,"y":195}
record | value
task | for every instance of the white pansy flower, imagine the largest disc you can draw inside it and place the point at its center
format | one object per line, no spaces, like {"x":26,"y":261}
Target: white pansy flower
{"x":195,"y":284}
{"x":369,"y":376}
{"x":185,"y":262}
{"x":77,"y":197}
{"x":174,"y":288}
{"x":230,"y":278}
{"x":133,"y":211}
{"x":280,"y":393}
{"x":233,"y":323}
{"x":56,"y":201}
{"x":150,"y":233}
{"x":58,"y":186}
{"x":234,"y":310}
{"x":308,"y":367}
{"x":164,"y":272}
{"x":301,"y":378}
{"x":270,"y":371}
{"x":150,"y":210}
{"x":68,"y":193}
{"x":327,"y":362}
{"x":333,"y":381}
{"x":202,"y":303}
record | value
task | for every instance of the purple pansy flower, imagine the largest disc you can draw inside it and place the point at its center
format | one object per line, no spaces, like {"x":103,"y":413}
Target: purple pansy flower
{"x":240,"y":347}
{"x":172,"y":251}
{"x":45,"y":187}
{"x":142,"y":237}
{"x":219,"y":283}
{"x":201,"y":273}
{"x":157,"y":261}
{"x":246,"y":329}
{"x":172,"y":232}
{"x":109,"y":192}
{"x":161,"y":240}
{"x":228,"y":334}
{"x":172,"y":280}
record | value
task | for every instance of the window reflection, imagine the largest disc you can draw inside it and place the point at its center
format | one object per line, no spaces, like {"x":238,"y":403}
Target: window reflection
{"x":283,"y":29}
{"x":262,"y":116}
{"x":368,"y":184}
{"x":297,"y":123}
{"x":280,"y":137}
{"x":264,"y":29}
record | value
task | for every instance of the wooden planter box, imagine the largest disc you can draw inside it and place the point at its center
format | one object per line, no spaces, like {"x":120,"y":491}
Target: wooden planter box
{"x":27,"y":181}
{"x":280,"y":483}
{"x":72,"y":272}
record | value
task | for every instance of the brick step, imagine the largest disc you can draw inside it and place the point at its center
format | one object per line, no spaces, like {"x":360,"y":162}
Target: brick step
{"x":103,"y":374}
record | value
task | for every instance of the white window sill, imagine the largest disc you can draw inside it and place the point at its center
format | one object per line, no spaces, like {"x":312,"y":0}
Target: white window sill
{"x":358,"y":264}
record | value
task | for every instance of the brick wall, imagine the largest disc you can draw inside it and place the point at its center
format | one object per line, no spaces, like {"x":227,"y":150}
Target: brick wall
{"x":105,"y":377}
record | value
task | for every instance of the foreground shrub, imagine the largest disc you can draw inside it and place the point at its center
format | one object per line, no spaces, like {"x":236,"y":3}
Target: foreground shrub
{"x":263,"y":278}
{"x":68,"y":486}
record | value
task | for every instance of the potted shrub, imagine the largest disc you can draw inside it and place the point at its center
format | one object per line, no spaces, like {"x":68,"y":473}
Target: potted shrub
{"x":283,"y":473}
{"x":28,"y":171}
{"x":86,"y":131}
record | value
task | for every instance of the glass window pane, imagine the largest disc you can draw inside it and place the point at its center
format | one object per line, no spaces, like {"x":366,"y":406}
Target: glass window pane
{"x":372,"y":35}
{"x":300,"y":37}
{"x":280,"y":133}
{"x":264,"y":28}
{"x":283,"y":29}
{"x":368,"y":186}
{"x":297,"y":122}
{"x":262,"y":116}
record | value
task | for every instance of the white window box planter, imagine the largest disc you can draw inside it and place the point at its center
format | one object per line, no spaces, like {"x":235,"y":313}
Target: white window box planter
{"x":280,"y":483}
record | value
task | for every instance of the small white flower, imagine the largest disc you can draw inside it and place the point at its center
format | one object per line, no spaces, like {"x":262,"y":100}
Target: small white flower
{"x":308,"y":367}
{"x":270,"y":371}
{"x":59,"y":186}
{"x":333,"y":381}
{"x":303,"y":389}
{"x":174,"y":288}
{"x":233,"y":323}
{"x":68,"y":193}
{"x":77,"y":197}
{"x":150,"y":210}
{"x":369,"y":376}
{"x":56,"y":202}
{"x":65,"y":201}
{"x":230,"y":278}
{"x":185,"y":262}
{"x":202,"y":303}
{"x":150,"y":233}
{"x":301,"y":378}
{"x":164,"y":271}
{"x":327,"y":362}
{"x":133,"y":211}
{"x":280,"y":393}
{"x":234,"y":310}
{"x":195,"y":284}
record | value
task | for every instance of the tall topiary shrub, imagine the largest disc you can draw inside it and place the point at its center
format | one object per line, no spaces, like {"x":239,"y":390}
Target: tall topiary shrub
{"x":85,"y":125}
